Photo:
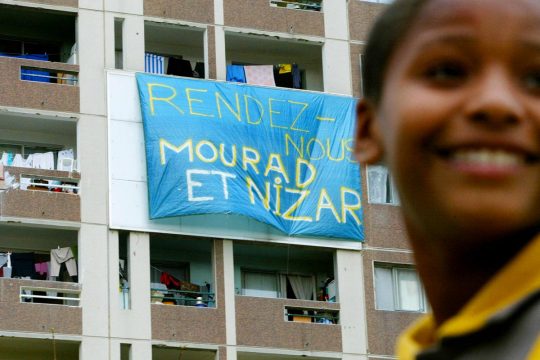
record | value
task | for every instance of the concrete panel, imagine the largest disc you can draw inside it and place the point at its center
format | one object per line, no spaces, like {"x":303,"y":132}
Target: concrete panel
{"x":40,"y":318}
{"x":133,"y":43}
{"x":134,"y":7}
{"x":134,"y":323}
{"x":335,"y":20}
{"x":187,"y":324}
{"x":123,"y":97}
{"x":219,"y":12}
{"x":44,"y":205}
{"x":92,"y":61}
{"x":92,"y":157}
{"x":36,"y":95}
{"x":201,"y":11}
{"x":228,"y":277}
{"x":259,"y":319}
{"x":384,"y":326}
{"x":93,"y":273}
{"x":349,"y":269}
{"x":258,"y":14}
{"x":141,"y":350}
{"x":93,"y":348}
{"x":337,"y":67}
{"x":119,"y":133}
{"x":362,"y":14}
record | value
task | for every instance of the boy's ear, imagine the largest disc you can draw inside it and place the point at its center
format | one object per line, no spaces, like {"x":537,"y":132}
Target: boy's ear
{"x":368,"y":145}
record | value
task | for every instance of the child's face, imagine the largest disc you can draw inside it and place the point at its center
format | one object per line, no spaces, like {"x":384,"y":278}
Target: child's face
{"x":459,"y":119}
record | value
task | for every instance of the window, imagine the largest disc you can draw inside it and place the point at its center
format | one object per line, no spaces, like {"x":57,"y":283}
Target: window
{"x":263,"y":284}
{"x":381,"y":188}
{"x":277,"y":285}
{"x":398,"y":288}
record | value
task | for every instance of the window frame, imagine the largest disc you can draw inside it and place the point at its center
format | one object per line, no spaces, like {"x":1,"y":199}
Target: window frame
{"x":390,"y":187}
{"x":396,"y":300}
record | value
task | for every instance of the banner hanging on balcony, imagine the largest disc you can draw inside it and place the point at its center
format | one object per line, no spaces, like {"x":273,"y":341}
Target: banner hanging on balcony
{"x":280,"y":156}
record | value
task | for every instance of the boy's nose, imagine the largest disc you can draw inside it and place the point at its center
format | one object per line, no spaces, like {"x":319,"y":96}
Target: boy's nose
{"x":495,"y":101}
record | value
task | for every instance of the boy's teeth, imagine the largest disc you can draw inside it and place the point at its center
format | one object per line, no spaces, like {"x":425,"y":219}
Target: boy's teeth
{"x":488,"y":157}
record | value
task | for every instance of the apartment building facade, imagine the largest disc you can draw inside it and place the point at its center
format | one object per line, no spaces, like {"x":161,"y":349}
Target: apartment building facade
{"x":87,"y":275}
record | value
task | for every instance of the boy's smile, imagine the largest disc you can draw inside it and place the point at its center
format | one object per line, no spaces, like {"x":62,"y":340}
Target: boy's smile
{"x":459,"y":118}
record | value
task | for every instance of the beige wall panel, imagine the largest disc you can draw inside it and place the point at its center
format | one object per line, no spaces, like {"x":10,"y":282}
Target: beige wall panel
{"x":37,"y":95}
{"x":92,"y":158}
{"x":17,"y":316}
{"x":211,"y":52}
{"x":361,"y":17}
{"x":187,"y":324}
{"x":385,"y":227}
{"x":201,"y":11}
{"x":384,"y":326}
{"x":258,"y":320}
{"x":258,"y":14}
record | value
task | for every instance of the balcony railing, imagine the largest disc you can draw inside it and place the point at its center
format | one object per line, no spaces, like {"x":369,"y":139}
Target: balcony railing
{"x":182,"y":297}
{"x":50,"y":295}
{"x":298,"y":5}
{"x":39,"y":84}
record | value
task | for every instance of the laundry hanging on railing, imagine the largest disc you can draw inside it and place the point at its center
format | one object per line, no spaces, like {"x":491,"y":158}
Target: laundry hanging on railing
{"x":281,"y":75}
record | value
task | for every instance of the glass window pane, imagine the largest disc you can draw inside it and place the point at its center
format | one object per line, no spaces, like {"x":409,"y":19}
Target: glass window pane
{"x":408,"y":290}
{"x":377,"y":184}
{"x":260,"y":284}
{"x":383,"y":288}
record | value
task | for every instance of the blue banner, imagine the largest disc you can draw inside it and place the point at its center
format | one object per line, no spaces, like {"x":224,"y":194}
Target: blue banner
{"x":280,"y":156}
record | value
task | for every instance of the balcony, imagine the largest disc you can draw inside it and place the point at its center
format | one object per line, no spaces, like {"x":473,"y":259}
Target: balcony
{"x":174,"y":50}
{"x":287,"y":290}
{"x":271,"y":16}
{"x":33,"y":349}
{"x":306,"y":56}
{"x":38,"y":280}
{"x":38,"y":62}
{"x":183,"y":290}
{"x":48,"y":195}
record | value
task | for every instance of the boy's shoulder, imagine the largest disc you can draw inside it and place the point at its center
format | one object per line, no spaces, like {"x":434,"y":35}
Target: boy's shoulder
{"x":502,"y":321}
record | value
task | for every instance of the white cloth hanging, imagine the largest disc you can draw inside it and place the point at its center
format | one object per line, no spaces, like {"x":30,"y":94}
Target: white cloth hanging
{"x":64,"y":154}
{"x":63,"y":256}
{"x":260,"y":75}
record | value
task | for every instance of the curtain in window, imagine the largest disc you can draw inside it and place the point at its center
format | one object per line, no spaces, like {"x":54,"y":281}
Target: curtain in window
{"x":384,"y":292}
{"x":408,"y":290}
{"x":302,"y":286}
{"x":260,"y":284}
{"x":377,"y":184}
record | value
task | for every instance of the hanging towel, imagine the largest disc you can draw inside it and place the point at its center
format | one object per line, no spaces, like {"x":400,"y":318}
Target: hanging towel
{"x":236,"y":73}
{"x":42,"y":268}
{"x":297,"y":79}
{"x":63,"y":154}
{"x":63,"y":256}
{"x":18,"y":161}
{"x":154,"y":64}
{"x":260,"y":75}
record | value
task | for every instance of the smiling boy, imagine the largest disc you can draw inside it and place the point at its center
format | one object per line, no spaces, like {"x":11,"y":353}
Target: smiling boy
{"x":452,"y":105}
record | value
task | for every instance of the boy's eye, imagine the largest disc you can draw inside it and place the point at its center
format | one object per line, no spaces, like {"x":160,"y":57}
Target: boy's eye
{"x":448,"y":73}
{"x":531,"y":81}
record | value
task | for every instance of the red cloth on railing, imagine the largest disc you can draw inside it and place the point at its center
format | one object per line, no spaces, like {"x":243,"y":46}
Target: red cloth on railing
{"x":169,"y":281}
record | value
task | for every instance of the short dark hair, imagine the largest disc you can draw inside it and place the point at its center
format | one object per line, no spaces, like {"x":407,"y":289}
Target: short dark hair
{"x":385,"y":35}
